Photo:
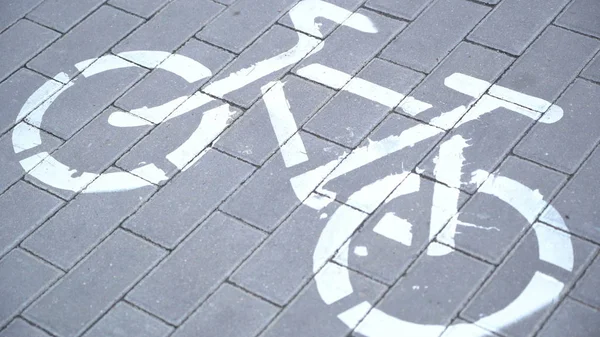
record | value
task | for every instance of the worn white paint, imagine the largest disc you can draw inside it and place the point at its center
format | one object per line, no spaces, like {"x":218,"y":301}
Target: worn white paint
{"x":520,"y":98}
{"x":105,"y":63}
{"x":61,"y":176}
{"x":361,"y":251}
{"x":335,"y":292}
{"x":25,"y":137}
{"x":371,"y":195}
{"x":374,"y":92}
{"x":354,"y":315}
{"x":115,"y":182}
{"x":317,"y":201}
{"x":411,"y":184}
{"x":467,"y":85}
{"x":126,"y":120}
{"x":554,"y":246}
{"x":413,"y":106}
{"x":325,"y":75}
{"x":395,"y":228}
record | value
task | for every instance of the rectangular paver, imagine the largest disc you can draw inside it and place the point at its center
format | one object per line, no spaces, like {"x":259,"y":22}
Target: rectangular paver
{"x":77,"y":46}
{"x":13,"y":10}
{"x":592,"y":71}
{"x":429,"y":39}
{"x":404,"y":9}
{"x":124,"y":320}
{"x":62,"y":15}
{"x":228,"y":305}
{"x":586,"y":290}
{"x":142,"y":8}
{"x":514,"y":24}
{"x":94,"y":285}
{"x":582,"y":16}
{"x":196,"y":268}
{"x":572,"y":318}
{"x":20,"y":328}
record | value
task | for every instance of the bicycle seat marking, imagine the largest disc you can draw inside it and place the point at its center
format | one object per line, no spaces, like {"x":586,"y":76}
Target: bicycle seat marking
{"x":332,"y":278}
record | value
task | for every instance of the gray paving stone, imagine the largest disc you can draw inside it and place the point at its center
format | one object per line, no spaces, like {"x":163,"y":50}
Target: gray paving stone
{"x":348,"y":118}
{"x":428,"y":40}
{"x":388,"y":252}
{"x":10,"y":166}
{"x":24,"y":39}
{"x":525,"y":267}
{"x":488,"y":227}
{"x":473,"y":331}
{"x":142,"y":8}
{"x":387,"y":171}
{"x":348,"y":50}
{"x":78,"y":227}
{"x":586,"y":289}
{"x":572,"y":319}
{"x":228,"y":304}
{"x":577,"y":203}
{"x":592,"y":71}
{"x":171,"y":27}
{"x":282,"y":265}
{"x":248,"y":19}
{"x":93,"y":150}
{"x":188,"y":199}
{"x":308,"y":315}
{"x":582,"y":16}
{"x":434,"y":289}
{"x":196,"y":268}
{"x":22,"y":278}
{"x":565,"y":144}
{"x":16,"y":90}
{"x":226,"y":2}
{"x":325,"y":25}
{"x":242,"y":139}
{"x":62,"y":15}
{"x":20,"y":328}
{"x":277,"y":40}
{"x":123,"y":320}
{"x":466,"y":59}
{"x":551,"y":64}
{"x":514,"y":24}
{"x":13,"y":10}
{"x":94,"y":285}
{"x":485,"y":141}
{"x":254,"y":202}
{"x":402,"y":9}
{"x":77,"y":46}
{"x":25,"y":208}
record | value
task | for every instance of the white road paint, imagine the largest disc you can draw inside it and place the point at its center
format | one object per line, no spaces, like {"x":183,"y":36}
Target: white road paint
{"x":373,"y":194}
{"x":520,"y":98}
{"x":410,"y":185}
{"x":467,"y":85}
{"x":61,"y":176}
{"x":126,"y":120}
{"x":115,"y":182}
{"x":379,"y":324}
{"x":361,"y":251}
{"x":25,"y":137}
{"x":284,"y":125}
{"x":413,"y":106}
{"x":395,"y":228}
{"x":150,"y":173}
{"x":43,"y":93}
{"x":325,"y":75}
{"x":374,"y":92}
{"x":489,"y":104}
{"x":554,"y":246}
{"x":354,"y":315}
{"x":158,"y":113}
{"x":102,"y":64}
{"x":340,"y":290}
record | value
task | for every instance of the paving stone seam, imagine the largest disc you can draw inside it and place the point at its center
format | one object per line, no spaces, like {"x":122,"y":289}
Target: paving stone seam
{"x":21,"y":18}
{"x":35,"y":325}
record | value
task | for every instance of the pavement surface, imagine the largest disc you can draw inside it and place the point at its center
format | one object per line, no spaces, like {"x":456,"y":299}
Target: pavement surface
{"x":278,"y":168}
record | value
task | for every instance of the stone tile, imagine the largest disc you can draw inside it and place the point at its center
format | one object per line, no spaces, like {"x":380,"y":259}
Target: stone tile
{"x":400,"y":143}
{"x":15,"y":94}
{"x":92,"y":150}
{"x":514,"y":24}
{"x":565,"y":144}
{"x":488,"y":227}
{"x":13,"y":10}
{"x":242,"y":139}
{"x":581,"y":16}
{"x":78,"y":227}
{"x":348,"y":118}
{"x":77,"y":46}
{"x":20,"y":328}
{"x":445,"y":104}
{"x":348,"y":50}
{"x":254,"y":202}
{"x":483,"y":137}
{"x":90,"y":93}
{"x":325,"y":26}
{"x":586,"y":290}
{"x":538,"y":271}
{"x":62,"y":15}
{"x":429,"y":39}
{"x":309,"y":315}
{"x":577,"y":202}
{"x":277,"y":40}
{"x":248,"y":19}
{"x":10,"y":165}
{"x":24,"y":39}
{"x":25,"y":208}
{"x":123,"y":320}
{"x":171,"y":27}
{"x":592,"y":71}
{"x":94,"y":285}
{"x":392,"y":238}
{"x":282,"y":265}
{"x":402,"y":9}
{"x":188,"y":199}
{"x":146,"y":8}
{"x":550,"y":65}
{"x":417,"y":297}
{"x":196,"y":268}
{"x":462,"y":328}
{"x":572,"y":319}
{"x":228,"y":304}
{"x":22,"y":278}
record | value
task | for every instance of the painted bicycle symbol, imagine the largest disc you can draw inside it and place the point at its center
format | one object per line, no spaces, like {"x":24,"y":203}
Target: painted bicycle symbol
{"x":332,"y":280}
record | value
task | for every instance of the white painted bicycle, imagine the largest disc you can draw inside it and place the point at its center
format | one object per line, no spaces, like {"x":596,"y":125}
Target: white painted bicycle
{"x":333,"y":281}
